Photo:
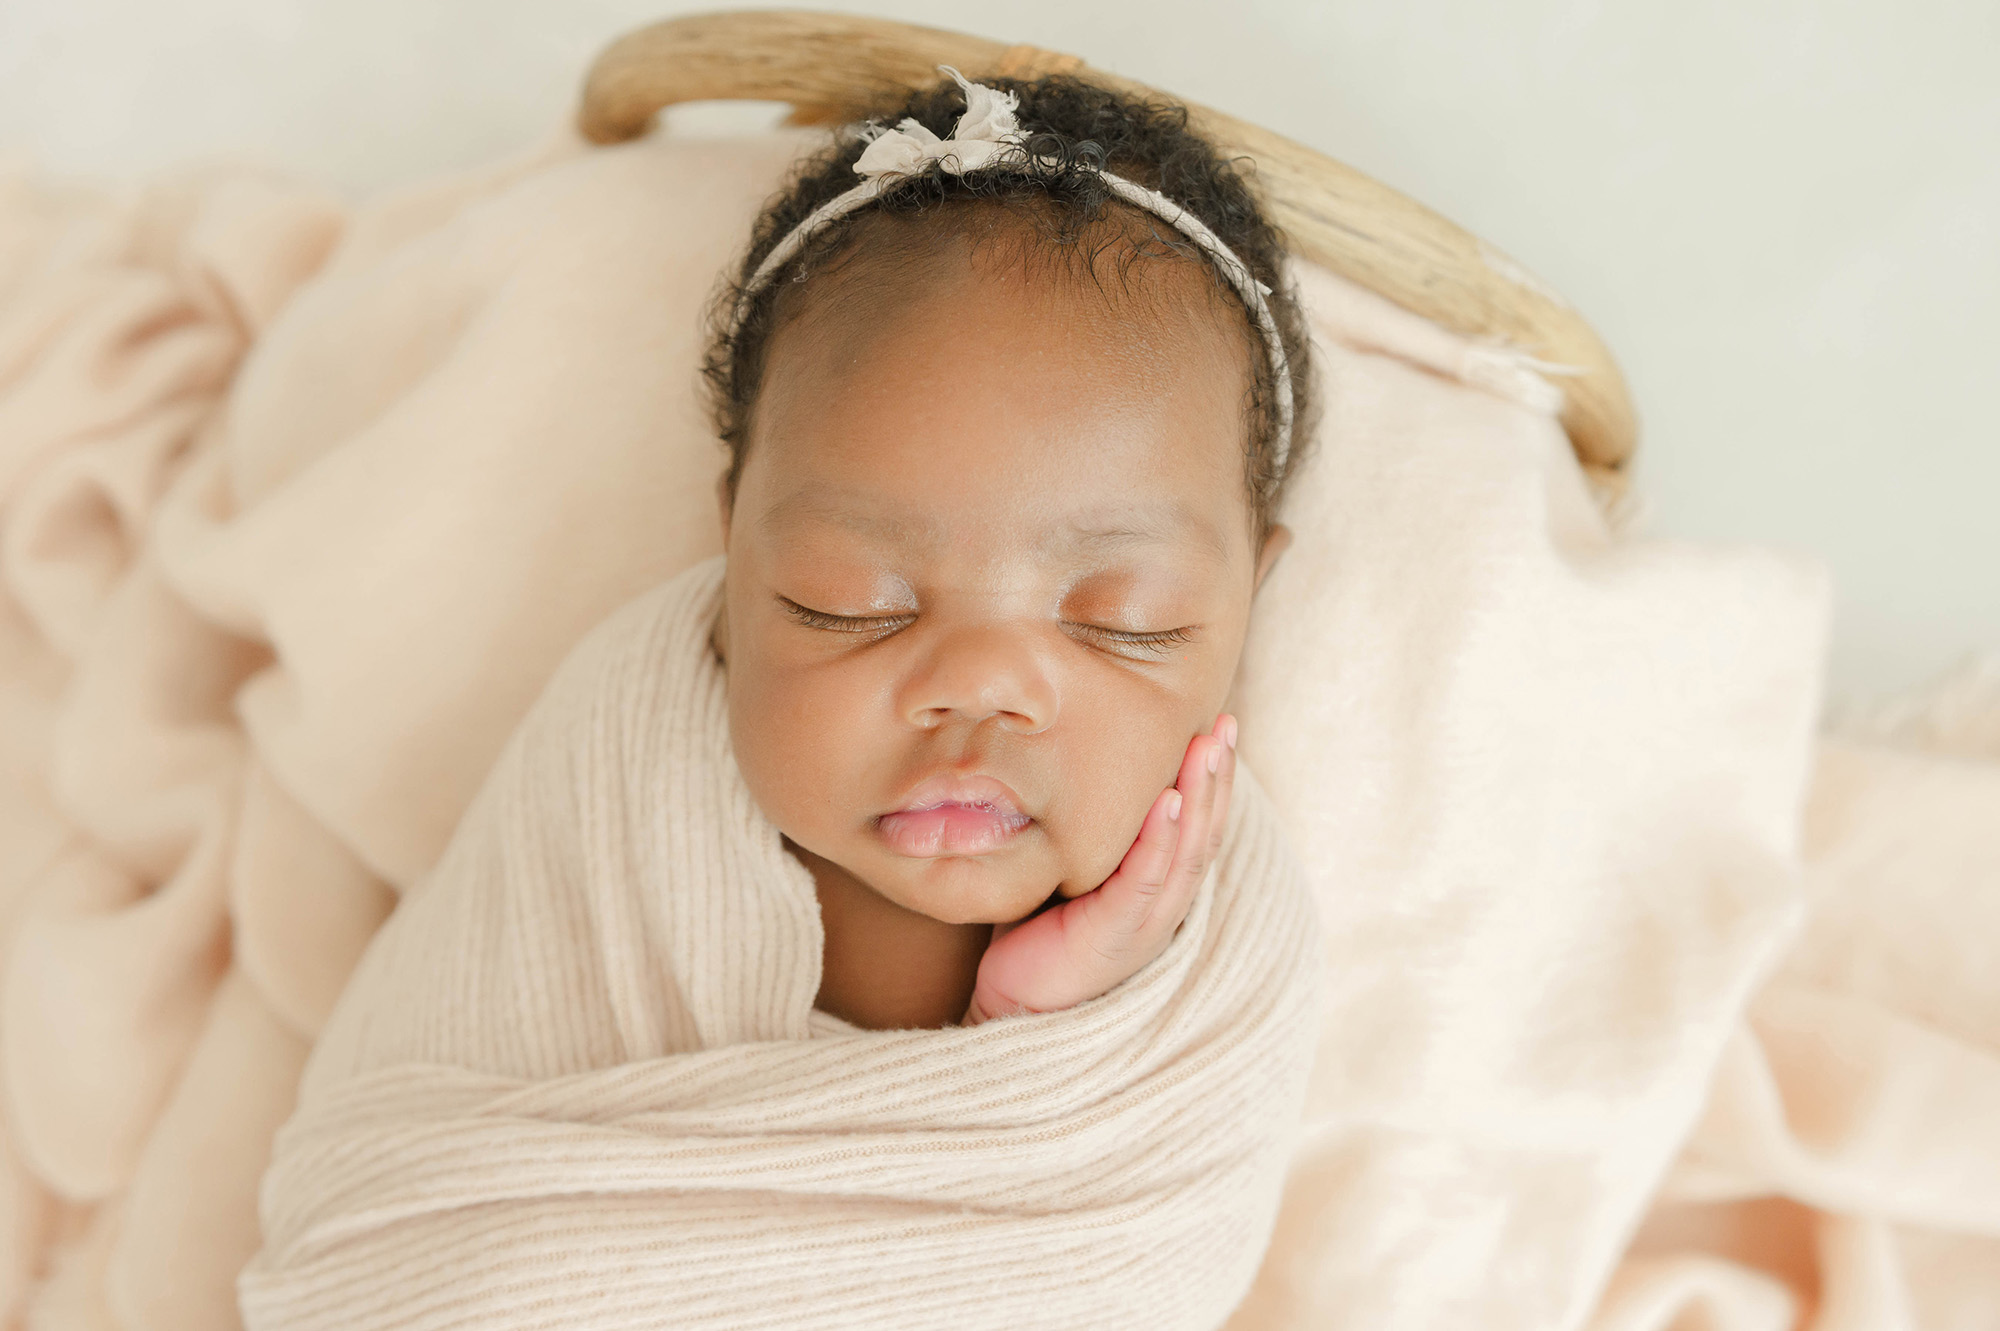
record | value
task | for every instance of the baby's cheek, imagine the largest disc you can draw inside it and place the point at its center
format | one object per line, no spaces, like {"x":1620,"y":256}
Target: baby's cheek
{"x":792,"y":751}
{"x":1106,"y":799}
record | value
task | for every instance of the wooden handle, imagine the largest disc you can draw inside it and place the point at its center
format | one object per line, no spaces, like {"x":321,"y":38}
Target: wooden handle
{"x":836,"y":67}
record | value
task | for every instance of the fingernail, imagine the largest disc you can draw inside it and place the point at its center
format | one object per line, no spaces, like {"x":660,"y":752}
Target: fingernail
{"x":1173,"y":806}
{"x":1229,"y":733}
{"x":1215,"y":759}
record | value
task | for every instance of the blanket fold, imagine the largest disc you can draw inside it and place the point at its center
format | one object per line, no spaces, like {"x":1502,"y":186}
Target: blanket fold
{"x":578,"y":1077}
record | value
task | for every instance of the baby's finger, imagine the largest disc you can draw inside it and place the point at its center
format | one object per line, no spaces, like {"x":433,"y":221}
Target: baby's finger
{"x":1198,"y":779}
{"x":1225,"y":782}
{"x":1146,"y":864}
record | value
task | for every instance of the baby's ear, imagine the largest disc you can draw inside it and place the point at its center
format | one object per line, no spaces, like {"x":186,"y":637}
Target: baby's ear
{"x":1275,"y":543}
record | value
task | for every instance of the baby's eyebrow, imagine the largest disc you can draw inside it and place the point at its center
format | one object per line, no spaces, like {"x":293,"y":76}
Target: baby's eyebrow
{"x":1150,"y":524}
{"x":1124,"y":532}
{"x":836,"y":507}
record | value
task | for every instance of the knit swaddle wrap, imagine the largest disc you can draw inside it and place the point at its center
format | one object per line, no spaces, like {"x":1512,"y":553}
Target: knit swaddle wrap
{"x":578,"y":1079}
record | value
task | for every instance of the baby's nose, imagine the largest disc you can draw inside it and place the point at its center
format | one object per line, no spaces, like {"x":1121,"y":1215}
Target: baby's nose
{"x":978,"y":673}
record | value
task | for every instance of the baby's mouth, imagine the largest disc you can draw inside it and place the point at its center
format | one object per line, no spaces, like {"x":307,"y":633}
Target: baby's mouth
{"x":950,"y":828}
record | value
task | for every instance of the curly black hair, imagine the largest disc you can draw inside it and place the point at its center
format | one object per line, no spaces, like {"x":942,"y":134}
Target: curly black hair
{"x":1075,"y":129}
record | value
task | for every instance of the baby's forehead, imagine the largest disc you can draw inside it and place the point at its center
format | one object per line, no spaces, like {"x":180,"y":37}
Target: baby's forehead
{"x":974,"y":345}
{"x":979,"y":393}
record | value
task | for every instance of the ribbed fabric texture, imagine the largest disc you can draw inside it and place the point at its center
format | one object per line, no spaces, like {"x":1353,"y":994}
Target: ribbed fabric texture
{"x":578,"y":1080}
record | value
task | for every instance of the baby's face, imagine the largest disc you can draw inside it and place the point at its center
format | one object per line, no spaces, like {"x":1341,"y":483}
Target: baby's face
{"x":990,"y":565}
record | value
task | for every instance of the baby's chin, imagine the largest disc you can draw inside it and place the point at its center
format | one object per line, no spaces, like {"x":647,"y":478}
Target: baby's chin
{"x":985,"y":889}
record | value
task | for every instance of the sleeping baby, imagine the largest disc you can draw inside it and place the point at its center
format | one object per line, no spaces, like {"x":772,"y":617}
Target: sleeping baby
{"x":871,"y":926}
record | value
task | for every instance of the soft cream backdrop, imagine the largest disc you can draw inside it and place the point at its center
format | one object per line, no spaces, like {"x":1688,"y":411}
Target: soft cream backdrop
{"x":1784,"y":217}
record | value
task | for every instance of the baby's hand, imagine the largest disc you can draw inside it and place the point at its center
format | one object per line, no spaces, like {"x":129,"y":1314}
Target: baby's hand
{"x":1080,"y":949}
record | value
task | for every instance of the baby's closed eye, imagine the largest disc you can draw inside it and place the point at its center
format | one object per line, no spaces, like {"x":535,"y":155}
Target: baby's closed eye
{"x":1156,"y":642}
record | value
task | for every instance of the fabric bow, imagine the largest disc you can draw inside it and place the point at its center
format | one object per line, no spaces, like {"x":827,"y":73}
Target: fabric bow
{"x":987,"y":128}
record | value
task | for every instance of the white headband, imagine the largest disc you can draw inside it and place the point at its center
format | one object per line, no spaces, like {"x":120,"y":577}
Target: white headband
{"x":987,"y":135}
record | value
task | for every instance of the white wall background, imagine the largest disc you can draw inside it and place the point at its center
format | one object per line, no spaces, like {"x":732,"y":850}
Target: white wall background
{"x":1783,"y":215}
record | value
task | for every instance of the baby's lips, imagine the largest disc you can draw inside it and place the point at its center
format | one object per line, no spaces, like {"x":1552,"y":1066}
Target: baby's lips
{"x":953,"y":813}
{"x":974,"y":789}
{"x":950,"y":829}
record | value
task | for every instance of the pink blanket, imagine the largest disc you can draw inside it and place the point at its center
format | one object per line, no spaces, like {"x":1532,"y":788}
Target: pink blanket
{"x":1642,"y":1002}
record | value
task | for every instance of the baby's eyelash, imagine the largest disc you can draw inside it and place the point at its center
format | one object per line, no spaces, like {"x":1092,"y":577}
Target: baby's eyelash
{"x":819,"y":619}
{"x":1157,"y":643}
